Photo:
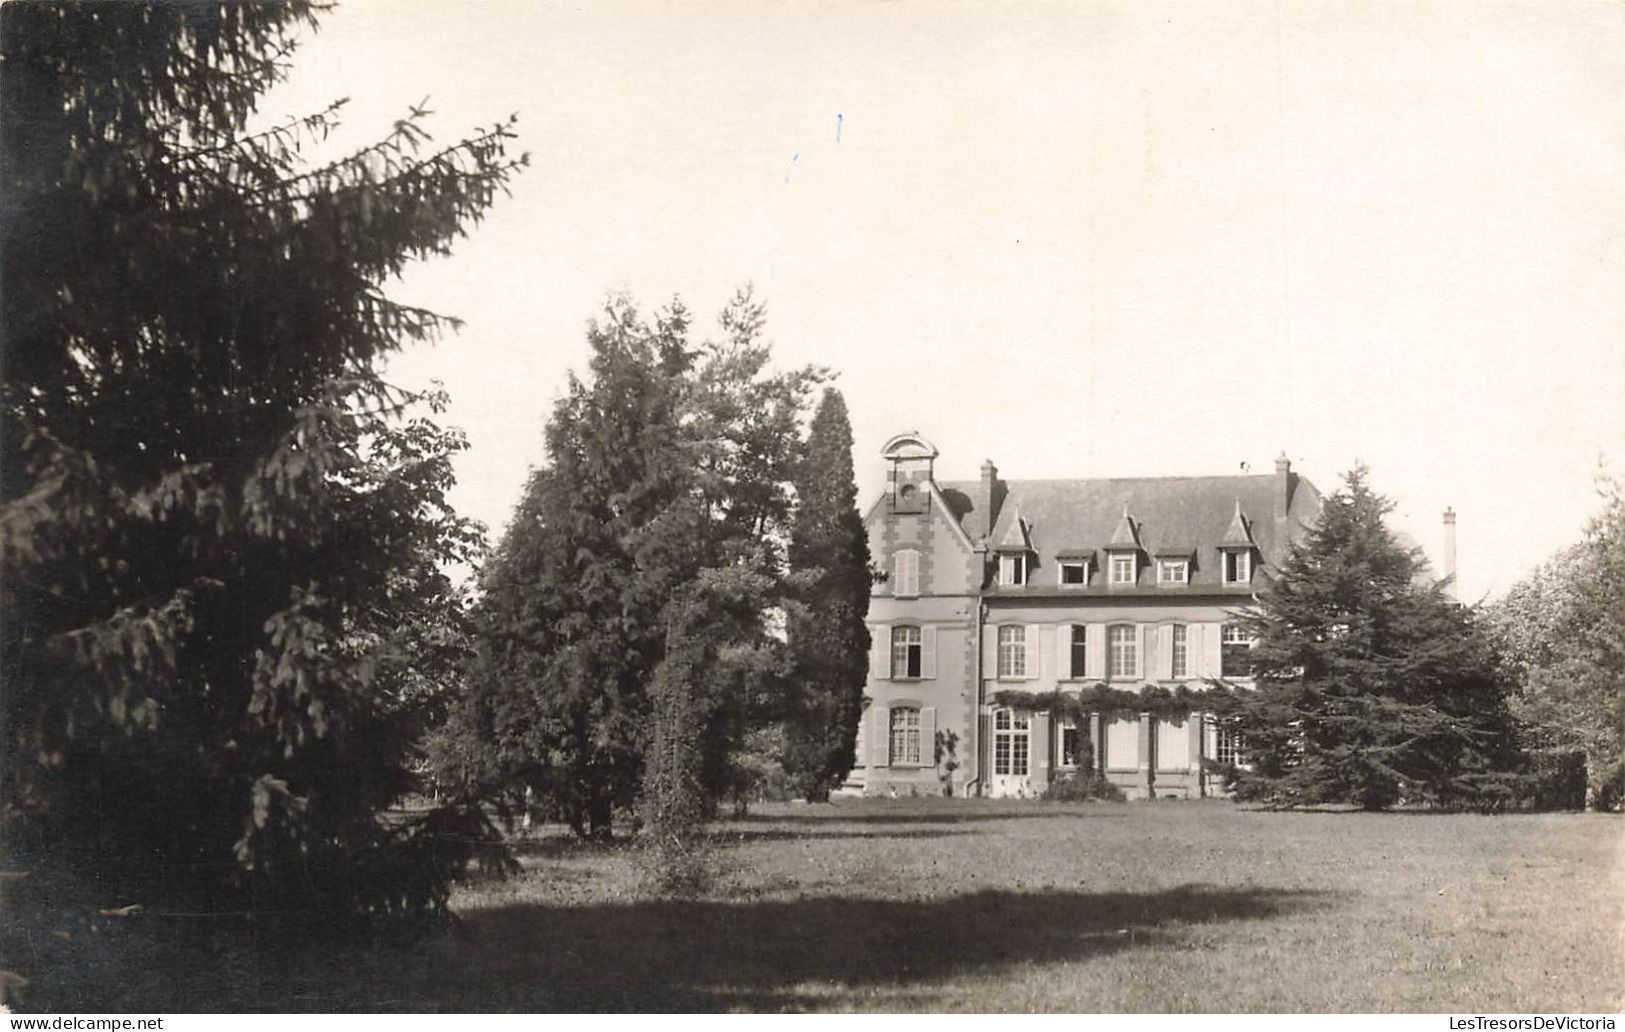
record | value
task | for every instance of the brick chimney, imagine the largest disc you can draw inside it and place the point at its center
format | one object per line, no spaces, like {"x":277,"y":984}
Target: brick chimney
{"x":984,"y":502}
{"x":1450,"y":552}
{"x":1283,"y":486}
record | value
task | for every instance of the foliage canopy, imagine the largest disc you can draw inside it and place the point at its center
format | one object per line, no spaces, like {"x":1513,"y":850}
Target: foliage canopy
{"x":222,"y":530}
{"x":1372,"y":686}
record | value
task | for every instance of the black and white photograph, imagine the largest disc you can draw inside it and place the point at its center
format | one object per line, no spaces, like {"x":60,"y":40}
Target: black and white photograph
{"x":925,"y":507}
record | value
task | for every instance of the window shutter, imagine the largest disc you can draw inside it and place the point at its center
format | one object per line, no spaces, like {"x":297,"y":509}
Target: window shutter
{"x":1165,"y":652}
{"x":1095,"y":654}
{"x":905,"y":573}
{"x":1063,"y":651}
{"x":1033,"y":651}
{"x":1039,"y":744}
{"x":1212,"y":664}
{"x":928,"y":651}
{"x":879,"y":652}
{"x":990,"y":652}
{"x":879,"y":735}
{"x":928,"y":736}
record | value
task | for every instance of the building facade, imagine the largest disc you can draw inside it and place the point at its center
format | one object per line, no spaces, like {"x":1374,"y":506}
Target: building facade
{"x":1041,"y":586}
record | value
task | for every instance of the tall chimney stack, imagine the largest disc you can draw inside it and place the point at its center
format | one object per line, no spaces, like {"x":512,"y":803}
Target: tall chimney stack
{"x":984,"y":500}
{"x":1450,"y":552}
{"x":1283,"y":485}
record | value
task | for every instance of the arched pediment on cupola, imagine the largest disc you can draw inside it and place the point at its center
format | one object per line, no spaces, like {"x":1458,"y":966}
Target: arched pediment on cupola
{"x":909,"y":446}
{"x":911,"y":457}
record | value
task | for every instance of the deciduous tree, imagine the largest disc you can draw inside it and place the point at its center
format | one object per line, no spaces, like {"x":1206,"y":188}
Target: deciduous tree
{"x":1561,"y":633}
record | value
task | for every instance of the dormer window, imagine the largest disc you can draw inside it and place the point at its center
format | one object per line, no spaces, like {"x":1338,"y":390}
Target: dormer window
{"x":1123,"y":568}
{"x":1238,"y":566}
{"x":1013,"y":569}
{"x":1173,"y":571}
{"x":1074,"y":573}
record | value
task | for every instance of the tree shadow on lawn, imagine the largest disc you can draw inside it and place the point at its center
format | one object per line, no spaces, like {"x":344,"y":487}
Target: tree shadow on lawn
{"x":836,"y":816}
{"x":556,"y":847}
{"x":745,"y":836}
{"x":710,"y":955}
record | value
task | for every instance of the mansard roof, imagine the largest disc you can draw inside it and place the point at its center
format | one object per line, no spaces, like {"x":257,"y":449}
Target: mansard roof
{"x":1170,"y":515}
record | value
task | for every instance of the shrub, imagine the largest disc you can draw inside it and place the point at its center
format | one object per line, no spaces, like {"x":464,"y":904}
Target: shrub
{"x":1081,"y":785}
{"x":678,"y":866}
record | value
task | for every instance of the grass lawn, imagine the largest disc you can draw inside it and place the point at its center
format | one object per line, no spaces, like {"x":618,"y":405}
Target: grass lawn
{"x":1014,"y":906}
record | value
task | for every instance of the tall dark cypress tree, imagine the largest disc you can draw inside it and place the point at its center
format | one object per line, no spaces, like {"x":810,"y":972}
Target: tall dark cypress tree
{"x":1372,"y":687}
{"x":829,"y":643}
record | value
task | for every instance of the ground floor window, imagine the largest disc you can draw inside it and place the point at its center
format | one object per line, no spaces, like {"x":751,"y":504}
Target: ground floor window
{"x":905,"y":735}
{"x":1010,"y":742}
{"x":1226,"y":745}
{"x":1069,"y":742}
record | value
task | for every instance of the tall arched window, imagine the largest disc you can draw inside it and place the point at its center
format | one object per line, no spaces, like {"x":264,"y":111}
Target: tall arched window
{"x":905,"y":651}
{"x":1236,"y":651}
{"x":1010,"y":743}
{"x":905,"y":735}
{"x":1012,"y":651}
{"x":1122,"y":651}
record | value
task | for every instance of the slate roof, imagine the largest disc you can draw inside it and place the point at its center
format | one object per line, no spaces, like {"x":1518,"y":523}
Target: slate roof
{"x":1185,"y":515}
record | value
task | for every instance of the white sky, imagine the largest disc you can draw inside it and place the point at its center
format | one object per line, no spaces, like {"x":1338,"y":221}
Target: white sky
{"x":1099,"y":239}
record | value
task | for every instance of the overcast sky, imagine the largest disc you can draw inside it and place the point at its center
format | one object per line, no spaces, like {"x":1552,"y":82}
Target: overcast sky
{"x":1078,"y":239}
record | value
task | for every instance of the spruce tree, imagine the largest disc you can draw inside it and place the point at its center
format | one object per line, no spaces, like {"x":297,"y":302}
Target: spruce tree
{"x":218,"y":532}
{"x":829,"y":642}
{"x":1373,"y":688}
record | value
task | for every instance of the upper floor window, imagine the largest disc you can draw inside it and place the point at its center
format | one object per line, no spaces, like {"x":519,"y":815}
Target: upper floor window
{"x":1013,"y":569}
{"x":1122,"y":651}
{"x":1173,"y":571}
{"x":1074,"y":572}
{"x":1181,"y":652}
{"x":905,"y":652}
{"x":905,"y":573}
{"x":1123,"y":569}
{"x":1080,"y":649}
{"x":1012,"y":651}
{"x":1235,"y":651}
{"x":1238,"y":566}
{"x":905,"y":735}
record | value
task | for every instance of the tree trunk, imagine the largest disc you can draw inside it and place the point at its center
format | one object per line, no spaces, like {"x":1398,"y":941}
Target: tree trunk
{"x":600,"y":818}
